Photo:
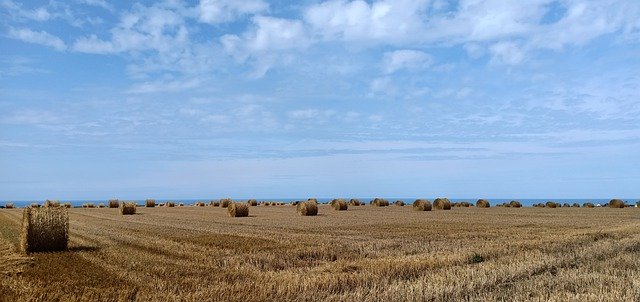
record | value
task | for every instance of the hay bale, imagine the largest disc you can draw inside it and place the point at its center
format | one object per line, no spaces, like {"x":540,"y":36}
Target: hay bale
{"x":44,"y":230}
{"x":181,"y":204}
{"x":114,"y":203}
{"x":88,"y":205}
{"x":51,"y":204}
{"x":551,"y":204}
{"x":127,"y":208}
{"x":442,"y":204}
{"x":566,"y":205}
{"x":399,"y":203}
{"x":266,"y":204}
{"x":101,"y":205}
{"x":170,"y":204}
{"x":150,"y":203}
{"x":575,"y":205}
{"x":379,"y":202}
{"x":35,"y":205}
{"x":252,"y":202}
{"x":200,"y":204}
{"x":354,"y":202}
{"x":308,"y":208}
{"x":238,"y":209}
{"x":313,"y":199}
{"x":339,"y":204}
{"x":515,"y":204}
{"x":588,"y":205}
{"x":225,"y":202}
{"x":483,"y":203}
{"x":465,"y":204}
{"x":8,"y":205}
{"x":422,"y":205}
{"x":616,"y":203}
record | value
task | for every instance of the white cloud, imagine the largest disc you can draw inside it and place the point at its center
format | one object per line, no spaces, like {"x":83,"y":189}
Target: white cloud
{"x":99,"y":3}
{"x":164,"y":86}
{"x":507,"y":52}
{"x":311,"y":114}
{"x":406,"y":59}
{"x":218,"y":11}
{"x":37,"y":37}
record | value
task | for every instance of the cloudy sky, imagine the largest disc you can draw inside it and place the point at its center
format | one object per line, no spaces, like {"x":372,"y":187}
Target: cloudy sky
{"x":257,"y":98}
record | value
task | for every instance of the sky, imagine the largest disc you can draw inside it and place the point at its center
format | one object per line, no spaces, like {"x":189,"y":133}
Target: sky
{"x":293,"y":99}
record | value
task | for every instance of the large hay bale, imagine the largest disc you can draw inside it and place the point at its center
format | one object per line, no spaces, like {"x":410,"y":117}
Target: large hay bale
{"x":551,"y":204}
{"x":51,"y":204}
{"x":170,"y":204}
{"x":588,"y":205}
{"x":442,"y":204}
{"x":238,"y":209}
{"x":422,"y":205}
{"x":515,"y":204}
{"x":566,"y":205}
{"x":44,"y":229}
{"x":575,"y":205}
{"x":225,"y":202}
{"x":354,"y":202}
{"x":616,"y":203}
{"x":8,"y":205}
{"x":307,"y":208}
{"x":114,"y":203}
{"x":150,"y":203}
{"x":483,"y":203}
{"x":380,"y":202}
{"x":252,"y":202}
{"x":127,"y":208}
{"x":339,"y":204}
{"x":399,"y":203}
{"x":199,"y":204}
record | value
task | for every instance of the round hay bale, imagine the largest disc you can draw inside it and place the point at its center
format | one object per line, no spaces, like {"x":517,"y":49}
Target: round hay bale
{"x":35,"y":205}
{"x":339,"y":204}
{"x":44,"y":229}
{"x":566,"y":205}
{"x":252,"y":202}
{"x":515,"y":204}
{"x":399,"y":203}
{"x":200,"y":204}
{"x":380,"y":202}
{"x":354,"y":202}
{"x":114,"y":203}
{"x":170,"y":204}
{"x":51,"y":203}
{"x":308,"y":208}
{"x":127,"y":208}
{"x":266,"y":204}
{"x":67,"y":205}
{"x":88,"y":205}
{"x":313,"y":199}
{"x":8,"y":205}
{"x":483,"y":203}
{"x":181,"y":204}
{"x":422,"y":205}
{"x":616,"y":203}
{"x":551,"y":204}
{"x":150,"y":203}
{"x":225,"y":202}
{"x":575,"y":205}
{"x":101,"y":205}
{"x":238,"y":209}
{"x":442,"y":204}
{"x":588,"y":205}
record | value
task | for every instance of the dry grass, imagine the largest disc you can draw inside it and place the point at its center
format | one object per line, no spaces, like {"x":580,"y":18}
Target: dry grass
{"x":44,"y":229}
{"x":236,"y":209}
{"x":364,"y":254}
{"x":128,"y":208}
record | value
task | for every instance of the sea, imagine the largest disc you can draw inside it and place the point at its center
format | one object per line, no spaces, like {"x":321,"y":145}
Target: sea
{"x":524,"y":201}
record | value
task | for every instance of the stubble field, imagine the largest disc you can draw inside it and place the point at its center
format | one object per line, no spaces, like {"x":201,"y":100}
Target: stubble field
{"x":363,"y":254}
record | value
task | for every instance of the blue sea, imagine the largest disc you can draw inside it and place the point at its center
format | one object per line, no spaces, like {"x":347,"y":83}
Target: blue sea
{"x":525,"y":202}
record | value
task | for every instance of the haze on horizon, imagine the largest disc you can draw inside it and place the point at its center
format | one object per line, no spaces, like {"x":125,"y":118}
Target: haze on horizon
{"x":265,"y":99}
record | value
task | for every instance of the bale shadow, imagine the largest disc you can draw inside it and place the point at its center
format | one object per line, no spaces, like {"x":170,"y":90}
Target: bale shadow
{"x":83,"y":248}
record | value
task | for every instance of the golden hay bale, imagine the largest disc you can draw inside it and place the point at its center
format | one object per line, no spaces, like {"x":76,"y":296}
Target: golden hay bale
{"x":44,"y":229}
{"x":252,"y":202}
{"x":114,"y":203}
{"x":339,"y":204}
{"x":308,"y":208}
{"x":150,"y":203}
{"x":515,"y":204}
{"x":442,"y":204}
{"x":238,"y":209}
{"x":465,"y":204}
{"x":127,"y":208}
{"x":199,"y":203}
{"x":566,"y":205}
{"x":483,"y":203}
{"x":422,"y":205}
{"x":575,"y":205}
{"x":588,"y":205}
{"x":101,"y":205}
{"x":616,"y":203}
{"x":225,"y":202}
{"x":88,"y":205}
{"x":266,"y":204}
{"x":551,"y":204}
{"x":8,"y":205}
{"x":399,"y":203}
{"x":51,"y":204}
{"x":379,"y":202}
{"x":354,"y":202}
{"x":170,"y":204}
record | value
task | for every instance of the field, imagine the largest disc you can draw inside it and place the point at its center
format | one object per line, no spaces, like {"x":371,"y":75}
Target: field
{"x":363,"y":254}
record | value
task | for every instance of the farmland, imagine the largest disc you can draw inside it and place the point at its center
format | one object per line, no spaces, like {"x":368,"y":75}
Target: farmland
{"x":365,"y":253}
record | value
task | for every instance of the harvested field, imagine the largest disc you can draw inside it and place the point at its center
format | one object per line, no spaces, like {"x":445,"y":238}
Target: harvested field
{"x":364,"y":254}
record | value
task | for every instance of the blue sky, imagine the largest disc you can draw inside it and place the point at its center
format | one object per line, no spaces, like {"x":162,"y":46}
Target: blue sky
{"x":256,"y":98}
